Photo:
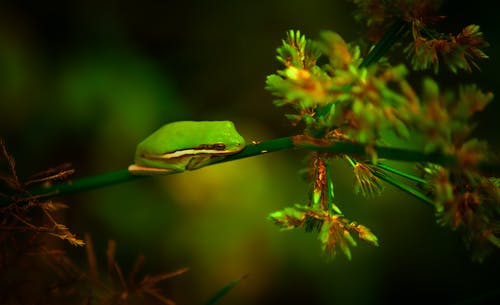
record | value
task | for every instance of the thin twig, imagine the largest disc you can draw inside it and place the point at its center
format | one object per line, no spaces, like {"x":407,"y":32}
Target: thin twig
{"x":404,"y":187}
{"x":401,"y":173}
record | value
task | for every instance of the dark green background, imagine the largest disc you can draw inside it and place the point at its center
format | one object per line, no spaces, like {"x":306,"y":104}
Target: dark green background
{"x":85,"y":81}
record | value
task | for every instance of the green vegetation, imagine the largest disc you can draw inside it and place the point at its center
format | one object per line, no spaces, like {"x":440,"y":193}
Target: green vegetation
{"x":351,"y":101}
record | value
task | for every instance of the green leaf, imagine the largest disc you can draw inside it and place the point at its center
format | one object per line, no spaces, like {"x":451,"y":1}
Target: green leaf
{"x":336,"y":49}
{"x":224,"y":290}
{"x":324,"y":235}
{"x":401,"y":129}
{"x":366,"y":235}
{"x":431,"y":89}
{"x":345,"y":249}
{"x":348,"y":237}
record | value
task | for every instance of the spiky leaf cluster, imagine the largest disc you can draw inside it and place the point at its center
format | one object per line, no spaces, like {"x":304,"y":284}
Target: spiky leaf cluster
{"x":339,"y":98}
{"x":349,"y":98}
{"x":334,"y":230}
{"x":445,"y":118}
{"x":365,"y":181}
{"x":469,"y":203}
{"x":457,"y":52}
{"x":428,"y":48}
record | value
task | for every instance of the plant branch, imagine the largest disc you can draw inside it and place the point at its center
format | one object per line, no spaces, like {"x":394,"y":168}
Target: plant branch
{"x":404,"y":187}
{"x":384,"y":44}
{"x":300,"y":141}
{"x":401,"y":173}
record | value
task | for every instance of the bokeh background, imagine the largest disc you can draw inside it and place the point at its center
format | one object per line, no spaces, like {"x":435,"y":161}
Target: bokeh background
{"x":85,"y":81}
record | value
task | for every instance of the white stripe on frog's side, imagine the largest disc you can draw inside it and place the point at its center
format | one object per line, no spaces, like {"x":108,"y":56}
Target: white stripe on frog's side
{"x":188,"y":152}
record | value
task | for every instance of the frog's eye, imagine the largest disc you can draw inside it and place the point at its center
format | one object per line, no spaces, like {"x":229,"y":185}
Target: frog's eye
{"x":219,"y":146}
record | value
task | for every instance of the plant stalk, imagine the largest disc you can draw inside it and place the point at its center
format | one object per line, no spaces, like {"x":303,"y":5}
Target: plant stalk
{"x":301,"y":142}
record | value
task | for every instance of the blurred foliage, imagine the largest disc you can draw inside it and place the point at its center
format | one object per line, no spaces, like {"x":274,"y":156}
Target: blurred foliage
{"x":85,"y":81}
{"x":337,"y":95}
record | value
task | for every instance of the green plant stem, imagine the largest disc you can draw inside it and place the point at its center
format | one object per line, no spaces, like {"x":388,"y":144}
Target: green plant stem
{"x":261,"y":148}
{"x":85,"y":184}
{"x":338,"y":147}
{"x":392,"y":153}
{"x":120,"y":176}
{"x":401,"y":173}
{"x":357,"y":149}
{"x":329,"y":187}
{"x":387,"y":41}
{"x":404,"y":187}
{"x":224,"y":290}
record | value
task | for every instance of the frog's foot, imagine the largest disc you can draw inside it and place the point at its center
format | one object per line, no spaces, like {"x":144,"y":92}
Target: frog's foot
{"x":140,"y":170}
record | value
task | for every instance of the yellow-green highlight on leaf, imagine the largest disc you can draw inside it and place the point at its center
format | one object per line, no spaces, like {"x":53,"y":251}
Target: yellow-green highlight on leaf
{"x":366,"y":235}
{"x":337,"y":50}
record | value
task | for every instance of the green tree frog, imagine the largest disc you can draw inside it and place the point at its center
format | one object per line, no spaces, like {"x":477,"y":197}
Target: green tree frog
{"x":186,"y":145}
